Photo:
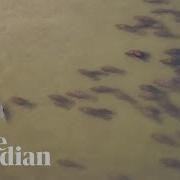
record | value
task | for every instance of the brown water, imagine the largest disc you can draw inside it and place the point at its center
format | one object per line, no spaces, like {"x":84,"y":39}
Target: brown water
{"x":43,"y":43}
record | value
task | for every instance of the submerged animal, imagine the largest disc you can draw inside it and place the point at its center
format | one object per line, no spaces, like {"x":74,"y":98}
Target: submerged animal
{"x":144,"y":22}
{"x":173,"y":12}
{"x":157,"y":1}
{"x":173,"y":52}
{"x":150,"y":92}
{"x":80,"y":95}
{"x":165,"y":33}
{"x":151,"y":112}
{"x":92,"y":74}
{"x":113,"y":70}
{"x":165,"y":139}
{"x":127,"y":28}
{"x":138,"y":54}
{"x":22,"y":102}
{"x":170,"y":108}
{"x":104,"y":89}
{"x":125,"y":97}
{"x":171,"y":163}
{"x":119,"y":177}
{"x":102,"y":113}
{"x":70,"y":164}
{"x":62,"y":101}
{"x":172,"y":84}
{"x":173,"y":62}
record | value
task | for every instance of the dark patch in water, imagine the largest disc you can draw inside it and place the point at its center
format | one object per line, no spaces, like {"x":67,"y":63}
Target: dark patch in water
{"x":104,"y":89}
{"x":170,"y":108}
{"x":22,"y":102}
{"x":62,"y":101}
{"x":177,"y":71}
{"x":165,"y":139}
{"x":150,"y":92}
{"x":173,"y":62}
{"x":145,"y":22}
{"x":80,"y":95}
{"x":165,"y":33}
{"x":70,"y":164}
{"x":119,"y":177}
{"x":157,"y":1}
{"x":172,"y":84}
{"x":174,"y":52}
{"x":138,"y":54}
{"x":152,"y":113}
{"x":173,"y":12}
{"x":113,"y":70}
{"x":125,"y":97}
{"x":92,"y":74}
{"x":171,"y":163}
{"x":102,"y":113}
{"x":127,"y":28}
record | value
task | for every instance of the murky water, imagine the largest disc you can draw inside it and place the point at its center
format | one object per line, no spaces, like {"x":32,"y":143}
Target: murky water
{"x":43,"y":44}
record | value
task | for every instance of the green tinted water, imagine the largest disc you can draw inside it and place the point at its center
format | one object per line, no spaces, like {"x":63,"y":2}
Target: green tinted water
{"x":42,"y":44}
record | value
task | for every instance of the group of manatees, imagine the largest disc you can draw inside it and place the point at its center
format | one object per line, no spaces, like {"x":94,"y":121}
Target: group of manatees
{"x":157,"y":91}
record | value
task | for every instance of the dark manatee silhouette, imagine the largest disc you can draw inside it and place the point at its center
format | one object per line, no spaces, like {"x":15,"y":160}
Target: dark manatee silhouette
{"x":144,"y":24}
{"x":171,"y":163}
{"x":121,"y":95}
{"x":127,"y":28}
{"x":173,"y":61}
{"x":71,"y":164}
{"x":165,"y":33}
{"x":138,"y":54}
{"x":170,"y":108}
{"x":165,"y":139}
{"x":113,"y":70}
{"x":93,"y":74}
{"x":173,"y":52}
{"x":151,"y":92}
{"x":104,"y":89}
{"x":157,"y":1}
{"x":177,"y":71}
{"x":20,"y":101}
{"x":119,"y":177}
{"x":79,"y":94}
{"x":62,"y":101}
{"x":172,"y":84}
{"x":101,"y":113}
{"x":173,"y":12}
{"x":151,"y":112}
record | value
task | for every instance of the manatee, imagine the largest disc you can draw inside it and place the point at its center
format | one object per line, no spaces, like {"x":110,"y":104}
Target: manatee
{"x":165,"y":139}
{"x":20,"y":101}
{"x":127,"y":28}
{"x":157,"y":1}
{"x":80,"y":95}
{"x":172,"y":163}
{"x":70,"y":164}
{"x":151,"y":92}
{"x":152,"y":112}
{"x":92,"y":74}
{"x":62,"y":101}
{"x":102,"y":113}
{"x":138,"y":54}
{"x":113,"y":70}
{"x":104,"y":89}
